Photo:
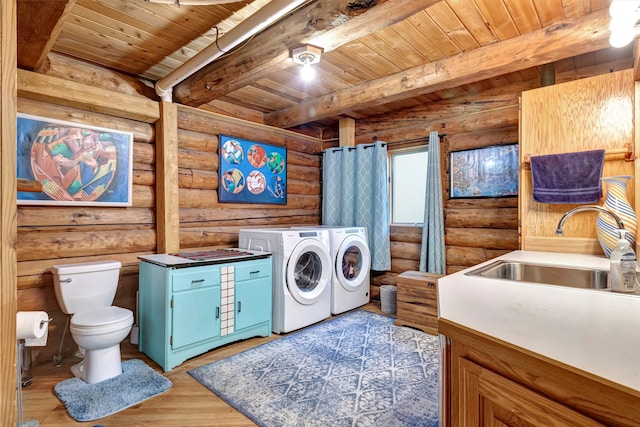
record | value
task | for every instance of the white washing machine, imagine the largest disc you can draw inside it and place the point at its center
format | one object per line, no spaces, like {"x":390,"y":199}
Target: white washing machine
{"x":351,"y":263}
{"x":301,"y":274}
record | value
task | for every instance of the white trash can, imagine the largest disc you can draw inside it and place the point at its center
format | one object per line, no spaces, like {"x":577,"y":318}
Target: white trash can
{"x":388,"y":297}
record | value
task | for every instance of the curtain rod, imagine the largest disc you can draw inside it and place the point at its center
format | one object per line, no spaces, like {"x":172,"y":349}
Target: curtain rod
{"x":404,"y":141}
{"x":375,"y":140}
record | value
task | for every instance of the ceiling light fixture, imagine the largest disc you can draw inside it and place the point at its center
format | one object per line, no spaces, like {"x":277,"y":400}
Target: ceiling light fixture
{"x":305,"y":56}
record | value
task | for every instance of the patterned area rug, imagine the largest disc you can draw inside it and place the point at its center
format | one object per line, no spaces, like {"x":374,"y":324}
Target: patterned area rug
{"x":86,"y":402}
{"x":354,"y":370}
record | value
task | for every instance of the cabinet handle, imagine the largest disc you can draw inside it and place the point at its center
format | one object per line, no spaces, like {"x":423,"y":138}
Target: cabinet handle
{"x":253,"y":273}
{"x":217,"y":312}
{"x":239,"y":306}
{"x":197,"y":282}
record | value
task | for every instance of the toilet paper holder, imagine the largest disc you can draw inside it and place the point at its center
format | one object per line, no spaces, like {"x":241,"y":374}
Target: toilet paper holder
{"x":44,"y":322}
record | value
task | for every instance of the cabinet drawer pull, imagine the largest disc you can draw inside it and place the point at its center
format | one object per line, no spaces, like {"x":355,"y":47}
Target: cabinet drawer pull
{"x":253,"y":273}
{"x":197,"y":282}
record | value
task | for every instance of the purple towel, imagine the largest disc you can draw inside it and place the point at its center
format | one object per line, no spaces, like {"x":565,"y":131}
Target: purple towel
{"x":570,"y":178}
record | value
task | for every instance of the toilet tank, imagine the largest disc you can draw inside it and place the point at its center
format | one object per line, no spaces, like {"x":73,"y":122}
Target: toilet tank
{"x":85,"y":286}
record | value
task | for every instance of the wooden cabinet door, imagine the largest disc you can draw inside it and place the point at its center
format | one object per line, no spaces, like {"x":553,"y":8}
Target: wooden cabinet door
{"x":489,"y":399}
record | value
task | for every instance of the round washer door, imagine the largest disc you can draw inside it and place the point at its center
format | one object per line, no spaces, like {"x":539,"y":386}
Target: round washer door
{"x":353,"y":261}
{"x":308,"y":271}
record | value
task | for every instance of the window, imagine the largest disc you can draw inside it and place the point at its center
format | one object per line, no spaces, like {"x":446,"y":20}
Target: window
{"x":408,"y":180}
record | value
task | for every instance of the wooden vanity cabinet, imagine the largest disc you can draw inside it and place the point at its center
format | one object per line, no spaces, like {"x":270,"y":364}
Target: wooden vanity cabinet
{"x":488,"y":382}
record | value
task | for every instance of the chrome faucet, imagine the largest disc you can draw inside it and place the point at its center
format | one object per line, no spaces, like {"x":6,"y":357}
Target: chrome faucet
{"x":559,"y":231}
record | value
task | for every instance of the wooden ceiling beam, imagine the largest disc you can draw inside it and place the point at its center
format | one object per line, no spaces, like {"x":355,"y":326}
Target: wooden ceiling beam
{"x":39,"y":24}
{"x":327,"y":24}
{"x":565,"y":39}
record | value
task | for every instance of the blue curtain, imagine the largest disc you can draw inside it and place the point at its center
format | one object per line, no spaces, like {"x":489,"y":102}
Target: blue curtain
{"x":432,"y":253}
{"x":355,"y":193}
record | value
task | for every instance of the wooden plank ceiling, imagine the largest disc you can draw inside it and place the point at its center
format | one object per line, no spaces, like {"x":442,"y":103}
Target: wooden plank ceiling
{"x":378,"y":57}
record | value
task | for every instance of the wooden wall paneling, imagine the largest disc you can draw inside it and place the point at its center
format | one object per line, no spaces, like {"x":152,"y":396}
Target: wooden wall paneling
{"x":229,"y":109}
{"x":476,"y":230}
{"x":477,"y":101}
{"x":167,"y":201}
{"x":82,"y":72}
{"x":142,"y":131}
{"x":36,"y":273}
{"x":60,"y":243}
{"x":197,"y":179}
{"x":61,"y":234}
{"x":52,"y":217}
{"x":347,"y":132}
{"x":206,"y":223}
{"x":190,"y":140}
{"x":484,"y":120}
{"x":59,"y":91}
{"x":8,"y":306}
{"x":587,"y":114}
{"x":227,"y":213}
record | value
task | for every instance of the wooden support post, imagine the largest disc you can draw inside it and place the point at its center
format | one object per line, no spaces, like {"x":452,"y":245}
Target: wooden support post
{"x":167,"y":200}
{"x":8,"y":213}
{"x":347,"y":132}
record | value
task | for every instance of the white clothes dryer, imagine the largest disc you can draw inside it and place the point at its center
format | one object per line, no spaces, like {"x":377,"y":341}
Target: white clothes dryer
{"x":351,"y":262}
{"x":301,"y":274}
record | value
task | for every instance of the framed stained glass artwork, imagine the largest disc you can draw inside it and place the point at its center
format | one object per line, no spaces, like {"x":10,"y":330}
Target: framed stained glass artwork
{"x":251,"y":172}
{"x":76,"y":164}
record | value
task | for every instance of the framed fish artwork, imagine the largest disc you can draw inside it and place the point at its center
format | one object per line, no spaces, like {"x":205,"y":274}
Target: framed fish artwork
{"x":75,"y":164}
{"x":251,"y":172}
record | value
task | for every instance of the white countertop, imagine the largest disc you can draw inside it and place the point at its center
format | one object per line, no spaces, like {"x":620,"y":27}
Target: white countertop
{"x":597,"y":331}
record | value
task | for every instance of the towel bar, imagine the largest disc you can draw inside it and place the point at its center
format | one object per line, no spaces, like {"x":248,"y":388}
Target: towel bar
{"x":628,"y":151}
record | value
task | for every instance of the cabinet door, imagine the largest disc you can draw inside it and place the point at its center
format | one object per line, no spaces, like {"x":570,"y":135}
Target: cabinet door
{"x":489,"y":399}
{"x":196,"y":316}
{"x":253,"y":302}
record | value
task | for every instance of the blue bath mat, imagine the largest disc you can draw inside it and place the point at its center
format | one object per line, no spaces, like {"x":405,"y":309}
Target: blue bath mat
{"x":354,"y":370}
{"x":87,"y":402}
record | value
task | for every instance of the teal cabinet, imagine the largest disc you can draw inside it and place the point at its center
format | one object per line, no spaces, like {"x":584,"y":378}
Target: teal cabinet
{"x":188,"y":310}
{"x":196,"y":316}
{"x":250,"y":306}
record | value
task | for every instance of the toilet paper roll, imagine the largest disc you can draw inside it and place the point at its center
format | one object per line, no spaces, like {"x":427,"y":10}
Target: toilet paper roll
{"x":32,"y":327}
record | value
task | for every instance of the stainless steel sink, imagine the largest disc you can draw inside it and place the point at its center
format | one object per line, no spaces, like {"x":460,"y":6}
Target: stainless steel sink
{"x":536,"y":273}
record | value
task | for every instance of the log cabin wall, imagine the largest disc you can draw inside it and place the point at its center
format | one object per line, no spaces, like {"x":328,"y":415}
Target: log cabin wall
{"x":476,"y":230}
{"x":206,"y":223}
{"x":49,"y":235}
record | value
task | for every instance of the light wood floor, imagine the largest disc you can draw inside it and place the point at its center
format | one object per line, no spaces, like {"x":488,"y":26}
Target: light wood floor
{"x":187,"y":403}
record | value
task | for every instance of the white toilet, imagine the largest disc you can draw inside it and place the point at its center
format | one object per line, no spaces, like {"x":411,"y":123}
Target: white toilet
{"x":87,"y":290}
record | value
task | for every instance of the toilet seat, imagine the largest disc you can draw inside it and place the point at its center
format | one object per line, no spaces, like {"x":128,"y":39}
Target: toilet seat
{"x":101,"y":321}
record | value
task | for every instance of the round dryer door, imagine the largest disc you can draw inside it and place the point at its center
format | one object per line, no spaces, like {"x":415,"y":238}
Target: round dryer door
{"x":353,"y":261}
{"x":308,"y":272}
